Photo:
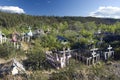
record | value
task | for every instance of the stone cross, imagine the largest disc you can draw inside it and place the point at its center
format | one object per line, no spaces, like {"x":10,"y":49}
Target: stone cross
{"x":30,"y":32}
{"x":109,"y":48}
{"x":93,"y":51}
{"x":109,"y":54}
{"x":94,"y":54}
{"x":15,"y":39}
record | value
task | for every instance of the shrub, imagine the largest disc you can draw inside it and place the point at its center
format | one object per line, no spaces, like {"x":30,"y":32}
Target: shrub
{"x":6,"y":51}
{"x":35,"y":60}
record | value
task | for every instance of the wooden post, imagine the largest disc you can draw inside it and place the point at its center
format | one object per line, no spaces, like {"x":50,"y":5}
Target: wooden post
{"x":87,"y":61}
{"x":0,"y":37}
{"x":57,"y":57}
{"x":105,"y":55}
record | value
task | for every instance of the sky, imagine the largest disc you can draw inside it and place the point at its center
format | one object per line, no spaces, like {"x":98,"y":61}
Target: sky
{"x":94,"y":8}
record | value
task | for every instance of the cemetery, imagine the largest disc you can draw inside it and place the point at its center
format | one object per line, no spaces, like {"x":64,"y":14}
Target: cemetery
{"x":60,"y":48}
{"x":59,"y":59}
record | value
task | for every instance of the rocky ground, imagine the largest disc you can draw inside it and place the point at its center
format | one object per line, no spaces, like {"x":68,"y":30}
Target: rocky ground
{"x":101,"y":71}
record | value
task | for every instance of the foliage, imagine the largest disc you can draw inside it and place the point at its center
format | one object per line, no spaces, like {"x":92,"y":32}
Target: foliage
{"x":79,"y":31}
{"x":98,"y":68}
{"x":35,"y":61}
{"x":69,"y":74}
{"x":6,"y":52}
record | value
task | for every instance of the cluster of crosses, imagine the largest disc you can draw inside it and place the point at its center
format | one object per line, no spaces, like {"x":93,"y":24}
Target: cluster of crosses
{"x":16,"y":38}
{"x":60,"y":59}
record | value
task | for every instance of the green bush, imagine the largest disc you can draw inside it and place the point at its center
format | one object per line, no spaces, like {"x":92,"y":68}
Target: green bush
{"x":5,"y":51}
{"x":35,"y":60}
{"x":69,"y":74}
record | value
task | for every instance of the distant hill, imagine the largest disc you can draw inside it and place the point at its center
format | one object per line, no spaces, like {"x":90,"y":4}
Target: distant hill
{"x":13,"y":20}
{"x":97,"y":20}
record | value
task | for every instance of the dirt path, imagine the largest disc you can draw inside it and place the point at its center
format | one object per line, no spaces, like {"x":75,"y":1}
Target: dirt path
{"x":19,"y":59}
{"x":4,"y":61}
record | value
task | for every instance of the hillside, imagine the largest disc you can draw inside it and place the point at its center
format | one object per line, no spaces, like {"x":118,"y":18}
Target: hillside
{"x":59,"y":48}
{"x":13,"y":20}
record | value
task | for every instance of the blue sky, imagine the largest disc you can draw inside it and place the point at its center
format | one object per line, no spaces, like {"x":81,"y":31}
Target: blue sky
{"x":95,"y":8}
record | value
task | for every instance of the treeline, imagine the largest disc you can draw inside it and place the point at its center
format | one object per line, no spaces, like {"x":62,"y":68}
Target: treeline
{"x":12,"y":20}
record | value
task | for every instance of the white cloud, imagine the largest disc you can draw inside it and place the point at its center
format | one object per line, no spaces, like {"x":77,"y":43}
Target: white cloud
{"x":12,"y":9}
{"x":106,"y":12}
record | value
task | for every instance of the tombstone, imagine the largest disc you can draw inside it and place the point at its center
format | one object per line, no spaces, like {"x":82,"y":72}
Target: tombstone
{"x":95,"y":56}
{"x":30,"y":32}
{"x":15,"y":39}
{"x":109,"y":53}
{"x":66,"y":55}
{"x":29,"y":35}
{"x":93,"y":51}
{"x":2,"y":38}
{"x":109,"y":48}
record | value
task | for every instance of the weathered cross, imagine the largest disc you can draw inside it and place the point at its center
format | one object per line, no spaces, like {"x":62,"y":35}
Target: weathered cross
{"x":109,"y":48}
{"x":93,"y":51}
